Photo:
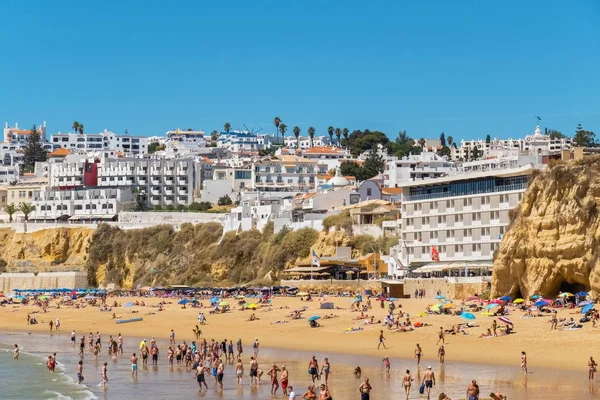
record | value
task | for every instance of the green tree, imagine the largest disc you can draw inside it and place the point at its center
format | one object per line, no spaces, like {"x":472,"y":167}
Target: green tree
{"x":296,"y":131}
{"x":345,"y":133}
{"x":444,"y":152}
{"x":421,"y":142}
{"x":361,"y":141}
{"x":403,"y":145}
{"x":584,"y":138}
{"x":450,"y":141}
{"x":282,"y":130}
{"x":475,"y":153}
{"x":200,"y":207}
{"x":338,"y":135}
{"x":26,"y":209}
{"x":214,"y":136}
{"x":488,"y":139}
{"x":555,"y":135}
{"x":227,"y":127}
{"x":373,"y":165}
{"x":277,"y":122}
{"x":311,"y":135}
{"x":34,"y":151}
{"x":330,"y":130}
{"x":154,"y":147}
{"x":225,"y":201}
{"x":10,"y":209}
{"x":75,"y":126}
{"x":443,"y":139}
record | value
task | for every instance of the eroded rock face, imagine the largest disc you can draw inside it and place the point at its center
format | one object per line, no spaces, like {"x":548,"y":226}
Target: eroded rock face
{"x":553,"y":242}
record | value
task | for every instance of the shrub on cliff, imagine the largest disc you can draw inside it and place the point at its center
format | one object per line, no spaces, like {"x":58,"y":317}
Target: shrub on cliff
{"x":339,"y":221}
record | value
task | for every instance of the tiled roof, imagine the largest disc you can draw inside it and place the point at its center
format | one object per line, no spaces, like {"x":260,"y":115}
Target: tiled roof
{"x":61,"y":152}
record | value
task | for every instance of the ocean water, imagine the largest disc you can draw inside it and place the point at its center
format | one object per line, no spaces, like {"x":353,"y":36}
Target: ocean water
{"x":28,"y":378}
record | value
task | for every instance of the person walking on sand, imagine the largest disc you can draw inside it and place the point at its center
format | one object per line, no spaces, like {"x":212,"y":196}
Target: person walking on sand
{"x":473,"y":390}
{"x":51,"y":323}
{"x":365,"y":390}
{"x":274,"y":382}
{"x":16,"y":353}
{"x":418,"y":354}
{"x":428,"y":381}
{"x":407,"y":383}
{"x":255,"y":347}
{"x":220,"y":372}
{"x":172,"y":338}
{"x":592,"y":366}
{"x":523,"y":363}
{"x":441,"y":337}
{"x":253,"y":371}
{"x":326,"y":369}
{"x":442,"y":354}
{"x":239,"y":371}
{"x":199,"y":374}
{"x":381,"y":341}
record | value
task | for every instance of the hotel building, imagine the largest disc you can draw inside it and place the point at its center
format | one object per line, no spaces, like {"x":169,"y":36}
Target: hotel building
{"x":286,"y":173}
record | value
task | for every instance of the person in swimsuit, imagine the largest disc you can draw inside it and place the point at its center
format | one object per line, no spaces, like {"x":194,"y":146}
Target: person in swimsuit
{"x":324,"y":393}
{"x":239,"y":371}
{"x":407,"y":383}
{"x":592,"y":366}
{"x":428,"y":381}
{"x":310,"y":394}
{"x":104,"y":374}
{"x":313,"y":368}
{"x":326,"y":370}
{"x":442,"y":354}
{"x":418,"y":354}
{"x":220,"y":371}
{"x":199,"y":373}
{"x":154,"y":352}
{"x":523,"y":363}
{"x":51,"y":364}
{"x":473,"y":391}
{"x":365,"y":390}
{"x":497,"y":396}
{"x":284,"y":380}
{"x":145,"y":353}
{"x":80,"y":372}
{"x":240,"y":349}
{"x":134,"y":366}
{"x":386,"y":360}
{"x":381,"y":341}
{"x":273,"y":374}
{"x":16,"y":353}
{"x":253,"y":371}
{"x":441,"y":337}
{"x":170,"y":357}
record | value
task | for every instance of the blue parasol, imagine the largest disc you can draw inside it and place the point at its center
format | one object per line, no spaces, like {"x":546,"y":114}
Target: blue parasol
{"x":184,"y":301}
{"x":314,"y":318}
{"x":439,"y":296}
{"x":467,"y":315}
{"x":129,"y":304}
{"x":506,"y":298}
{"x":535,"y":296}
{"x":490,"y":306}
{"x":540,"y":303}
{"x":587,"y":308}
{"x":582,"y":294}
{"x":214,"y":300}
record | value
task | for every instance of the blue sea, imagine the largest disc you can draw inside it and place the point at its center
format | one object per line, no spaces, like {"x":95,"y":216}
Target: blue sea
{"x":28,"y":378}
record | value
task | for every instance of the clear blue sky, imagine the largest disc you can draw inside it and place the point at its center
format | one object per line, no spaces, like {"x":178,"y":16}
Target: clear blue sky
{"x":467,"y":68}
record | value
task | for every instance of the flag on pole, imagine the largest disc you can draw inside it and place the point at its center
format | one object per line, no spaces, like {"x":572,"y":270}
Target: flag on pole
{"x":316,"y":260}
{"x":435,"y":255}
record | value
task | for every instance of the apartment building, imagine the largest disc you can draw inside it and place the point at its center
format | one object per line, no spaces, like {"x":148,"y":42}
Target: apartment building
{"x":304,"y":142}
{"x":463,"y":216}
{"x":414,"y":167}
{"x":238,"y":141}
{"x":8,"y":174}
{"x":187,"y":136}
{"x":107,"y":140}
{"x":286,"y":173}
{"x":163,"y":182}
{"x":25,"y":191}
{"x":329,"y":155}
{"x":81,"y":203}
{"x":18,"y":136}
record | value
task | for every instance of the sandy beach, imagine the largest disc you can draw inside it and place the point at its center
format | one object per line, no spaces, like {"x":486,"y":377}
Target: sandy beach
{"x":545,"y":348}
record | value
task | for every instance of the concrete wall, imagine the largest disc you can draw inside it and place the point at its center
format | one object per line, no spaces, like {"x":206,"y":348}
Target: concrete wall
{"x":371,"y":229}
{"x":341,"y":285}
{"x":214,"y":189}
{"x":43,"y":280}
{"x":156,"y":218}
{"x":450,"y":287}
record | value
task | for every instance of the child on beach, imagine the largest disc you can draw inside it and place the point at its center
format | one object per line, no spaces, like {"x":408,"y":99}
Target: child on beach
{"x":386,"y":360}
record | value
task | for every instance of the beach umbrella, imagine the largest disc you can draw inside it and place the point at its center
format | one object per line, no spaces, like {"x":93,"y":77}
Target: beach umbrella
{"x":587,"y":308}
{"x":214,"y":300}
{"x":518,"y":301}
{"x":422,"y":314}
{"x":439,"y":297}
{"x":314,"y":318}
{"x":392,"y":299}
{"x":490,"y":306}
{"x":566,"y":294}
{"x":353,"y":300}
{"x":252,"y":306}
{"x":472,"y":298}
{"x":535,"y":297}
{"x":43,"y":297}
{"x":582,"y":294}
{"x":487,"y":314}
{"x":436,"y":307}
{"x":505,"y":320}
{"x":449,"y":305}
{"x":183,"y":301}
{"x":540,"y":303}
{"x":506,"y":298}
{"x":497,"y":301}
{"x":467,"y":315}
{"x":223,"y":303}
{"x":130,"y":304}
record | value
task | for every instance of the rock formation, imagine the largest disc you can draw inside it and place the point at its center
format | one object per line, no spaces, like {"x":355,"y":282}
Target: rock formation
{"x":552,"y":244}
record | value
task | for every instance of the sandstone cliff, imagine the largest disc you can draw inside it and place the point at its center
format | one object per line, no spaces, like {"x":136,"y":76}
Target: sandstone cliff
{"x":552,"y":243}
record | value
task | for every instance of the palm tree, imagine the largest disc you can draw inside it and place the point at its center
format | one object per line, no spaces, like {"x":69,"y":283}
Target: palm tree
{"x":227,"y":127}
{"x":10,"y":209}
{"x":338,"y":135}
{"x":26,"y":209}
{"x":81,"y":129}
{"x":330,"y":131}
{"x":311,"y":134}
{"x":277,"y":122}
{"x":214,"y":135}
{"x":422,"y":142}
{"x":75,"y":126}
{"x":282,"y":130}
{"x":345,"y":133}
{"x":296,"y":131}
{"x":449,"y":140}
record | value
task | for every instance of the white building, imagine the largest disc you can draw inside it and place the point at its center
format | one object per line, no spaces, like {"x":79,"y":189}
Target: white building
{"x":187,"y":136}
{"x":162,"y":182}
{"x":328,"y":155}
{"x":304,"y":142}
{"x":463,"y":216}
{"x":81,"y":204}
{"x":238,"y":141}
{"x":8,"y":174}
{"x":107,"y":140}
{"x":286,"y":173}
{"x":15,"y":135}
{"x":226,"y":181}
{"x":414,"y":167}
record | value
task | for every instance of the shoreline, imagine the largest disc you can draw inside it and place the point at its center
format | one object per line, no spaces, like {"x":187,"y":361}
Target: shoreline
{"x":544,"y":347}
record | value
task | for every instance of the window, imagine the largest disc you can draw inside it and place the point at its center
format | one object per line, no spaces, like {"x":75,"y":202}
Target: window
{"x":467,"y":232}
{"x":496,"y":215}
{"x":449,"y":204}
{"x":434,"y":235}
{"x":476,"y":216}
{"x":369,"y":192}
{"x":458,"y":218}
{"x":450,"y":234}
